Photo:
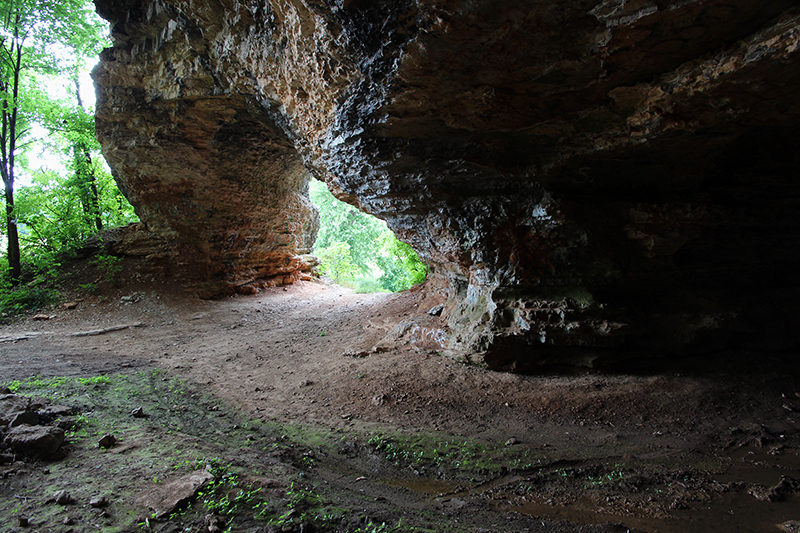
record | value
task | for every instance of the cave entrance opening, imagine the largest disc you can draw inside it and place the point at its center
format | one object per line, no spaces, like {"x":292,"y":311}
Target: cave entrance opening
{"x":358,"y":250}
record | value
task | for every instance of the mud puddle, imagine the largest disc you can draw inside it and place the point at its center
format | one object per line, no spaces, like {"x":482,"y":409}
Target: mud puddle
{"x":730,"y":499}
{"x":732,"y":513}
{"x":760,"y":466}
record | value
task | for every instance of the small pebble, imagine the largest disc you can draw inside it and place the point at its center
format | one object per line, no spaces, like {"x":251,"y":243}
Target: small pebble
{"x":99,"y":501}
{"x":62,"y":497}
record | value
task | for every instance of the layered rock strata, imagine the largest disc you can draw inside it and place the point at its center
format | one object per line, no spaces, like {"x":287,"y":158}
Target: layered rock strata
{"x":584,"y":178}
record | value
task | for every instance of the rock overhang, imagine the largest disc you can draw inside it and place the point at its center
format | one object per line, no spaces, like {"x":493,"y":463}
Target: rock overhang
{"x":607,"y":178}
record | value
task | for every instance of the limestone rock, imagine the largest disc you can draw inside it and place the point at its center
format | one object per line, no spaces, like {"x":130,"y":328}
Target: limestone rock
{"x":26,"y":417}
{"x":12,"y":405}
{"x":54,"y":411}
{"x":786,"y":487}
{"x":37,"y":441}
{"x":792,"y":526}
{"x":99,"y":501}
{"x":162,"y":499}
{"x":584,"y":179}
{"x":107,"y":441}
{"x":62,"y":497}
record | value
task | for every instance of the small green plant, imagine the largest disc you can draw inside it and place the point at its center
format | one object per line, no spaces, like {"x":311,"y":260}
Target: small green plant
{"x":109,"y":265}
{"x":96,"y":380}
{"x":79,"y":428}
{"x":44,"y":383}
{"x":304,"y":506}
{"x":223,"y":496}
{"x":13,"y":386}
{"x":27,"y":298}
{"x":89,"y":287}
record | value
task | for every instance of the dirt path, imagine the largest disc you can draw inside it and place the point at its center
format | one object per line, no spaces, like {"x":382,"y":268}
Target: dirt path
{"x":676,"y":448}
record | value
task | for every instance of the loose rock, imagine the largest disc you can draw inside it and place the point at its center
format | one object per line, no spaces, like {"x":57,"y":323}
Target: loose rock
{"x":163,"y":499}
{"x":379,"y":399}
{"x":62,"y":497}
{"x":11,"y":405}
{"x":779,"y":492}
{"x":792,"y":526}
{"x":99,"y":501}
{"x":26,"y":417}
{"x":436,"y":310}
{"x":107,"y":441}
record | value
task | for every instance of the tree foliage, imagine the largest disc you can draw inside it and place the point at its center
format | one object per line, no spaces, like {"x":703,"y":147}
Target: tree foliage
{"x":402,"y":267}
{"x":52,"y":218}
{"x":341,"y":222}
{"x":336,"y":261}
{"x":360,"y":249}
{"x":37,"y":38}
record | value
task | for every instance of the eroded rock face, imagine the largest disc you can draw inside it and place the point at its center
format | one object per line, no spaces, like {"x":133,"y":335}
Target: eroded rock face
{"x":584,"y":178}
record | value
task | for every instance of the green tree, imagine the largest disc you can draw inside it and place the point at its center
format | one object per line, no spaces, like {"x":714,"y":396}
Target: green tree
{"x":72,"y":133}
{"x":341,"y":222}
{"x":80,"y":132}
{"x":337,"y":262}
{"x":36,"y":37}
{"x":52,"y":216}
{"x":402,"y":267}
{"x":351,"y":242}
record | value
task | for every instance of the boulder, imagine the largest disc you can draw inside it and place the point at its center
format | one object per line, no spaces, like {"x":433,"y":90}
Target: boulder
{"x":35,"y":441}
{"x":164,"y":498}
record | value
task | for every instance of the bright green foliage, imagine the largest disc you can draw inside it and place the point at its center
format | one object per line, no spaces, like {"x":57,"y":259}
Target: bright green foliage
{"x":353,"y":246}
{"x":72,"y":135}
{"x":37,"y":38}
{"x":110,"y":265}
{"x":402,"y":267}
{"x":53,"y":220}
{"x":337,"y":261}
{"x":341,"y":222}
{"x":41,"y":43}
{"x":25,"y":298}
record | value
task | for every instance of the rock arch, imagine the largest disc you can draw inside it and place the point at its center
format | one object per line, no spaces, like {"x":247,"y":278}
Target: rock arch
{"x":585,"y":178}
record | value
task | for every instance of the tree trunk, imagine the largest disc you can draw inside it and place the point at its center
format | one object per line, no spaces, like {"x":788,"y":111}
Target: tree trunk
{"x":14,"y":260}
{"x":8,"y":136}
{"x":93,"y":205}
{"x":94,"y":197}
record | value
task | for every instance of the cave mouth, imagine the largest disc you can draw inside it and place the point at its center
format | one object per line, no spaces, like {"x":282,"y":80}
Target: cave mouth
{"x":358,"y":250}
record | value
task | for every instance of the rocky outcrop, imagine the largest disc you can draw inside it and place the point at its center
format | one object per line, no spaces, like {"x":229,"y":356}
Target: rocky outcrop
{"x":30,"y":429}
{"x":584,"y":178}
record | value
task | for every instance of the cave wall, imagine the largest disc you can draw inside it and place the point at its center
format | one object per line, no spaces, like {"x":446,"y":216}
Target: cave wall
{"x":584,"y":179}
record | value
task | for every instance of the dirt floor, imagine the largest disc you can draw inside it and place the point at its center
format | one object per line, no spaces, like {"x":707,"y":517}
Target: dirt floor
{"x":280,"y":391}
